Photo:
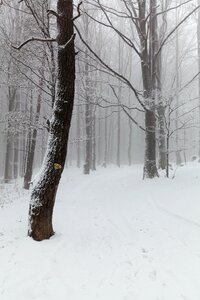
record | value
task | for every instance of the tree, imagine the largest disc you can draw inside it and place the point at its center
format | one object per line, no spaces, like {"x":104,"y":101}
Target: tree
{"x":88,"y":110}
{"x":44,"y":193}
{"x":142,"y":38}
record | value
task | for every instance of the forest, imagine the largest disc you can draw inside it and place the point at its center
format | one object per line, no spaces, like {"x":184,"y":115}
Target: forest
{"x":100,"y":149}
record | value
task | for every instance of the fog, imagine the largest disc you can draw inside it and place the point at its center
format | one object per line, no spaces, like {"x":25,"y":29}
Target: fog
{"x":112,"y":33}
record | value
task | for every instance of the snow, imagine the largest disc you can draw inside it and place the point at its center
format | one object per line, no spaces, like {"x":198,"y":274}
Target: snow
{"x":117,"y":237}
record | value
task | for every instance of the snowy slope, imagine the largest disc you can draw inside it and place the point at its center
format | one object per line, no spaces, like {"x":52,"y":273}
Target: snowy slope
{"x":117,"y":238}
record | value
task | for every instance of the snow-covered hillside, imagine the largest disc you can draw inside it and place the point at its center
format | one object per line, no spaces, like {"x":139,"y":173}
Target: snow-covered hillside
{"x":117,"y":238}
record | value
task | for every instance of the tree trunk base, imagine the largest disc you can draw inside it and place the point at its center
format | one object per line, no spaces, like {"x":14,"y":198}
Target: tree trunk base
{"x":86,"y":169}
{"x":41,"y":226}
{"x":150,"y":170}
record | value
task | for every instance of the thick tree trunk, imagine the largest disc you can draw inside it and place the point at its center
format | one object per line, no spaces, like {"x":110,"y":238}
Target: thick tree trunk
{"x":150,"y":170}
{"x":149,"y":82}
{"x":44,"y":194}
{"x":162,"y":136}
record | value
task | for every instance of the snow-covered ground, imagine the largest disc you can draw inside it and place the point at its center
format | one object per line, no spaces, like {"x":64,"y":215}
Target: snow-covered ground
{"x":117,"y":238}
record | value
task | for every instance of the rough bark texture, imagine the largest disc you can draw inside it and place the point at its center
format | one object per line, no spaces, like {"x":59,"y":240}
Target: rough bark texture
{"x":44,"y":194}
{"x":149,"y":76}
{"x":150,"y":170}
{"x":161,"y":110}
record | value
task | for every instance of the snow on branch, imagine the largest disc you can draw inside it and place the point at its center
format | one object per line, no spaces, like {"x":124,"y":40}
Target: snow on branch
{"x":68,"y":42}
{"x":38,"y":39}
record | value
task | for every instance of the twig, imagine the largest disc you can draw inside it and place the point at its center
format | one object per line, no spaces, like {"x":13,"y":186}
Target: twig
{"x":78,"y":10}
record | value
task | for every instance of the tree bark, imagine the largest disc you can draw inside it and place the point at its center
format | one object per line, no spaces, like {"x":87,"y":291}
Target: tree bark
{"x":150,"y":170}
{"x":44,"y":193}
{"x":161,"y":110}
{"x":149,"y":76}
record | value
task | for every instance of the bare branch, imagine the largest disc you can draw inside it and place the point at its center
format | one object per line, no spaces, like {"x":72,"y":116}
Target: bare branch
{"x":120,"y":76}
{"x":175,"y":28}
{"x":53,"y":13}
{"x":68,"y":42}
{"x":78,"y":10}
{"x":125,"y":111}
{"x":38,"y":39}
{"x":172,"y":8}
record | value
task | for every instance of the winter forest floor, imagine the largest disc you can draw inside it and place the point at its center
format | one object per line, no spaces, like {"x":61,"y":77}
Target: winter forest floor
{"x":117,"y":238}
